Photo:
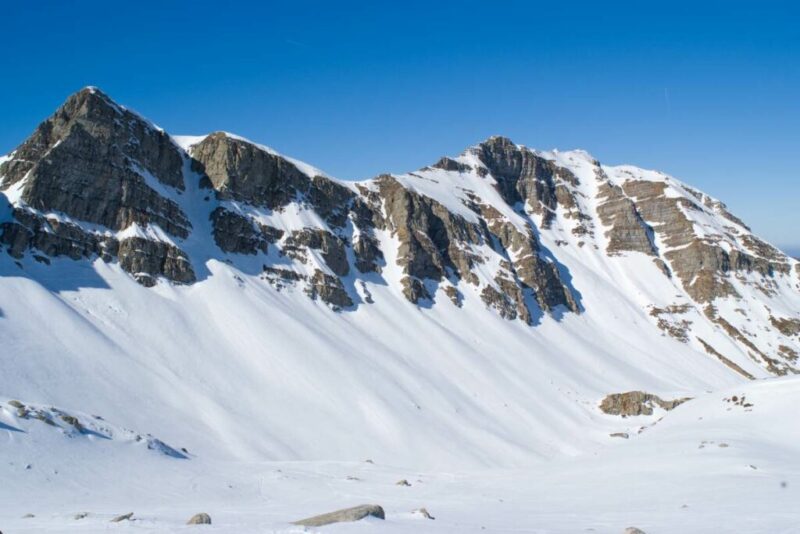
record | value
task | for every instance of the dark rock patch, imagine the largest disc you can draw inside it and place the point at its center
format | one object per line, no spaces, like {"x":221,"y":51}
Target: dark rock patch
{"x":634,"y":403}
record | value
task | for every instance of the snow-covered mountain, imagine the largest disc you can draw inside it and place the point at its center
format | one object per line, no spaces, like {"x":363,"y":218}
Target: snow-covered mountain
{"x":246,"y":307}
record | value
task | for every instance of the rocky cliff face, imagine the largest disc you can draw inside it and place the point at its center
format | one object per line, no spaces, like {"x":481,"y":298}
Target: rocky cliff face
{"x":501,"y":225}
{"x":95,"y":162}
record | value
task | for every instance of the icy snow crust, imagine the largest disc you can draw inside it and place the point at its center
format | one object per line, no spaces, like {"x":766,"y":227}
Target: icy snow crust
{"x":279,"y":400}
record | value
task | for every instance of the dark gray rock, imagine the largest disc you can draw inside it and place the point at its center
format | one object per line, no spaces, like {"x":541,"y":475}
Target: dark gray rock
{"x":331,"y":246}
{"x":529,"y":269}
{"x":52,"y":237}
{"x":431,"y":237}
{"x":449,"y":164}
{"x":239,"y":170}
{"x":414,"y":290}
{"x":242,"y":171}
{"x":143,"y":258}
{"x":329,"y":289}
{"x":88,"y":161}
{"x":236,"y":233}
{"x":331,"y":200}
{"x":146,"y":260}
{"x":368,"y":254}
{"x":523,"y":176}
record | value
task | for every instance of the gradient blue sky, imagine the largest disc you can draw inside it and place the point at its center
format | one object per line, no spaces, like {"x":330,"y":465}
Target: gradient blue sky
{"x":707,"y":91}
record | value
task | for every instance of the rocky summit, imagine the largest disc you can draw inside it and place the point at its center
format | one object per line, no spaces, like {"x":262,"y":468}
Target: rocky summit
{"x":501,"y":225}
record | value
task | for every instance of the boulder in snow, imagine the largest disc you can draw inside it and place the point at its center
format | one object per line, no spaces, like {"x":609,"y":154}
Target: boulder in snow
{"x":123,"y":517}
{"x":348,"y":514}
{"x":199,"y":519}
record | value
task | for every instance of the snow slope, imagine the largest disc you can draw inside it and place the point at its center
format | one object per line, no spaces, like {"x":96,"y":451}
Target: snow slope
{"x":277,"y":399}
{"x":711,"y":465}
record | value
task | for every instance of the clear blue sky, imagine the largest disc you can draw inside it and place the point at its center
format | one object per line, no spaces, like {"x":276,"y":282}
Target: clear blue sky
{"x":707,"y":91}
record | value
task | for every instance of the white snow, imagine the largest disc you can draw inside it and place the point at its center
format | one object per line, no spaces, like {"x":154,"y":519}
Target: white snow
{"x":711,"y":465}
{"x":279,"y":400}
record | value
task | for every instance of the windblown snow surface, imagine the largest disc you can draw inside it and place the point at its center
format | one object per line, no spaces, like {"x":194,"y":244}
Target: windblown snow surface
{"x":261,"y":407}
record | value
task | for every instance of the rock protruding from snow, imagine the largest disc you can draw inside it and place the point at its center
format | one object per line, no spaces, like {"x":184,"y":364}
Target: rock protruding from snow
{"x":199,"y":519}
{"x":700,"y":261}
{"x":242,"y":171}
{"x":33,"y":418}
{"x":95,"y":161}
{"x":636,"y":403}
{"x":424,"y":513}
{"x":346,"y":515}
{"x":146,"y":259}
{"x":524,"y":177}
{"x":627,"y":230}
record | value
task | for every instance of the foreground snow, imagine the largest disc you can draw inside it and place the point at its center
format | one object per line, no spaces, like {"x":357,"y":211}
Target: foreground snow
{"x":711,"y":465}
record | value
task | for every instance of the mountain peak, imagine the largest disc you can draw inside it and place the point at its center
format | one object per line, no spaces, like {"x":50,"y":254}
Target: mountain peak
{"x":502,"y":229}
{"x":89,"y":100}
{"x":498,"y":140}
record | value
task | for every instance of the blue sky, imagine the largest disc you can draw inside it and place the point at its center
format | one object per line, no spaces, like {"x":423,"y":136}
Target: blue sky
{"x":707,"y":91}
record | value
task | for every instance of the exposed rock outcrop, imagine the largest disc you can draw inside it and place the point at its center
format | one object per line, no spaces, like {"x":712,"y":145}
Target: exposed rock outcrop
{"x":424,"y":513}
{"x":700,"y":263}
{"x":92,"y":161}
{"x":240,"y":170}
{"x":346,"y":515}
{"x":368,"y":254}
{"x":626,"y":229}
{"x":414,"y":290}
{"x":146,"y":260}
{"x":449,"y":164}
{"x":236,"y":233}
{"x":636,"y":403}
{"x":433,"y":241}
{"x":436,"y":243}
{"x":524,"y":177}
{"x":331,"y":247}
{"x":670,"y":321}
{"x":329,"y":289}
{"x":199,"y":519}
{"x":52,"y":237}
{"x":528,"y":266}
{"x":787,"y":326}
{"x":123,"y":517}
{"x":243,"y":171}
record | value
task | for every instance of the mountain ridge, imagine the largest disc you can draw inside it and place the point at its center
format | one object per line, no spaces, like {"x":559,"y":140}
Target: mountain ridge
{"x":97,"y":180}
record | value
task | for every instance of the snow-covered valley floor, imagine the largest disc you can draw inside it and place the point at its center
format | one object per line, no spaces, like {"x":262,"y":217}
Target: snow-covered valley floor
{"x":710,"y":465}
